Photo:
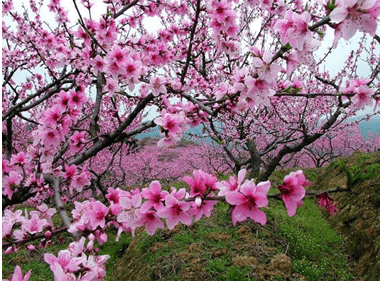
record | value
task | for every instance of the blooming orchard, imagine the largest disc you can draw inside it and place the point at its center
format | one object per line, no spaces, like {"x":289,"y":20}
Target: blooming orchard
{"x":77,"y":90}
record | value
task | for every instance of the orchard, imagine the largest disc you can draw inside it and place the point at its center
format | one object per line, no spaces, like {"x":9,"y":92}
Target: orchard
{"x":78,"y":89}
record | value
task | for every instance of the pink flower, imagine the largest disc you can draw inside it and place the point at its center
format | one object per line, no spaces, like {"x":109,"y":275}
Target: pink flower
{"x":114,"y":195}
{"x":231,"y":185}
{"x":18,"y":159}
{"x":77,"y":98}
{"x":117,"y":55}
{"x":155,"y":197}
{"x":33,"y":225}
{"x":112,"y":86}
{"x":292,"y":191}
{"x":157,"y":86}
{"x":364,"y":97}
{"x":80,"y":181}
{"x":294,"y":29}
{"x":63,"y":100}
{"x":98,"y":63}
{"x":97,"y":215}
{"x":248,"y":200}
{"x":77,"y":140}
{"x":265,"y":69}
{"x":64,"y":260}
{"x":18,"y":275}
{"x":175,"y":212}
{"x":150,"y":220}
{"x":324,"y":200}
{"x":10,"y":183}
{"x":70,"y":171}
{"x":172,"y":124}
{"x":354,"y":15}
{"x":53,"y":116}
{"x":51,"y":137}
{"x":132,"y":67}
{"x":201,"y":183}
{"x":204,"y":208}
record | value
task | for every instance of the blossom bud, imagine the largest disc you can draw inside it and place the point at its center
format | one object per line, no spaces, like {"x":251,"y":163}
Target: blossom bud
{"x":48,"y":234}
{"x":91,"y":237}
{"x":198,"y":201}
{"x":90,"y":245}
{"x":9,"y":251}
{"x":31,"y":248}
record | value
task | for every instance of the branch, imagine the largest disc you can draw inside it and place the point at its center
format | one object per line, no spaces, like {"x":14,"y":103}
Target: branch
{"x":190,"y":44}
{"x":112,"y":138}
{"x":57,"y":198}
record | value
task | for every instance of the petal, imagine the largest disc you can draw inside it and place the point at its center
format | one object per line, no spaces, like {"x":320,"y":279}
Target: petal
{"x":185,"y":218}
{"x":263,"y":187}
{"x":146,"y":206}
{"x":338,"y":14}
{"x":348,"y":29}
{"x":290,"y":205}
{"x":258,"y":216}
{"x":241,"y":176}
{"x":235,"y":198}
{"x":248,"y":188}
{"x":170,"y":200}
{"x":155,"y":187}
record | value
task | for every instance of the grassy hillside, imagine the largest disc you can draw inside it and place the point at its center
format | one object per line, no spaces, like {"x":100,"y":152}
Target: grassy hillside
{"x":309,"y":246}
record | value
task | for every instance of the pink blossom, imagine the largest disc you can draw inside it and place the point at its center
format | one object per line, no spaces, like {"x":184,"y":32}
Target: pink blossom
{"x":98,"y":63}
{"x":64,"y":259}
{"x":77,"y":140}
{"x":231,"y":185}
{"x":155,"y":197}
{"x":33,"y":225}
{"x":247,"y":200}
{"x":97,"y":215}
{"x":201,"y":184}
{"x":175,"y":211}
{"x":77,"y":98}
{"x":204,"y":208}
{"x":265,"y":68}
{"x":63,"y":100}
{"x":157,"y":86}
{"x":150,"y":220}
{"x":18,"y":275}
{"x":364,"y":97}
{"x":80,"y":181}
{"x":354,"y":15}
{"x":18,"y":159}
{"x":292,"y":190}
{"x":294,"y":29}
{"x":112,"y":86}
{"x":70,"y":171}
{"x":53,"y":116}
{"x":51,"y":137}
{"x":10,"y":183}
{"x":324,"y":200}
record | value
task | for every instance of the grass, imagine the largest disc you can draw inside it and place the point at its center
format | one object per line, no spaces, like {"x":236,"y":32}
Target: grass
{"x":317,"y":249}
{"x":209,"y":247}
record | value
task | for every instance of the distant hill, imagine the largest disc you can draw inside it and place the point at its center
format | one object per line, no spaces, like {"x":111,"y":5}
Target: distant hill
{"x":373,"y":125}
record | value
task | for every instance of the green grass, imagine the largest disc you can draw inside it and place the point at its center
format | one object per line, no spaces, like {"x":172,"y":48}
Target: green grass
{"x":316,"y":247}
{"x":115,"y":250}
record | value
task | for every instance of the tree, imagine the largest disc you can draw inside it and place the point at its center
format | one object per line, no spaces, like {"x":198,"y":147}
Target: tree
{"x":76,"y":92}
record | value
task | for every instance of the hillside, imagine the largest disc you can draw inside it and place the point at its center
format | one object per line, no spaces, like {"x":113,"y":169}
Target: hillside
{"x":309,"y":246}
{"x":304,"y":247}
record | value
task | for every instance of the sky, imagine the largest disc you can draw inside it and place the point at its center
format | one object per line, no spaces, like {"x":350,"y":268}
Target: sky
{"x":153,"y":24}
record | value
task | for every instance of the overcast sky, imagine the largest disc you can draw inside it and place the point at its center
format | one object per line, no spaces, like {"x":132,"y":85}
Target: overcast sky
{"x":153,"y":24}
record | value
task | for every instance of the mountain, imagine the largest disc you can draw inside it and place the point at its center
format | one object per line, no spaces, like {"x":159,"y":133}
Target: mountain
{"x":373,"y":125}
